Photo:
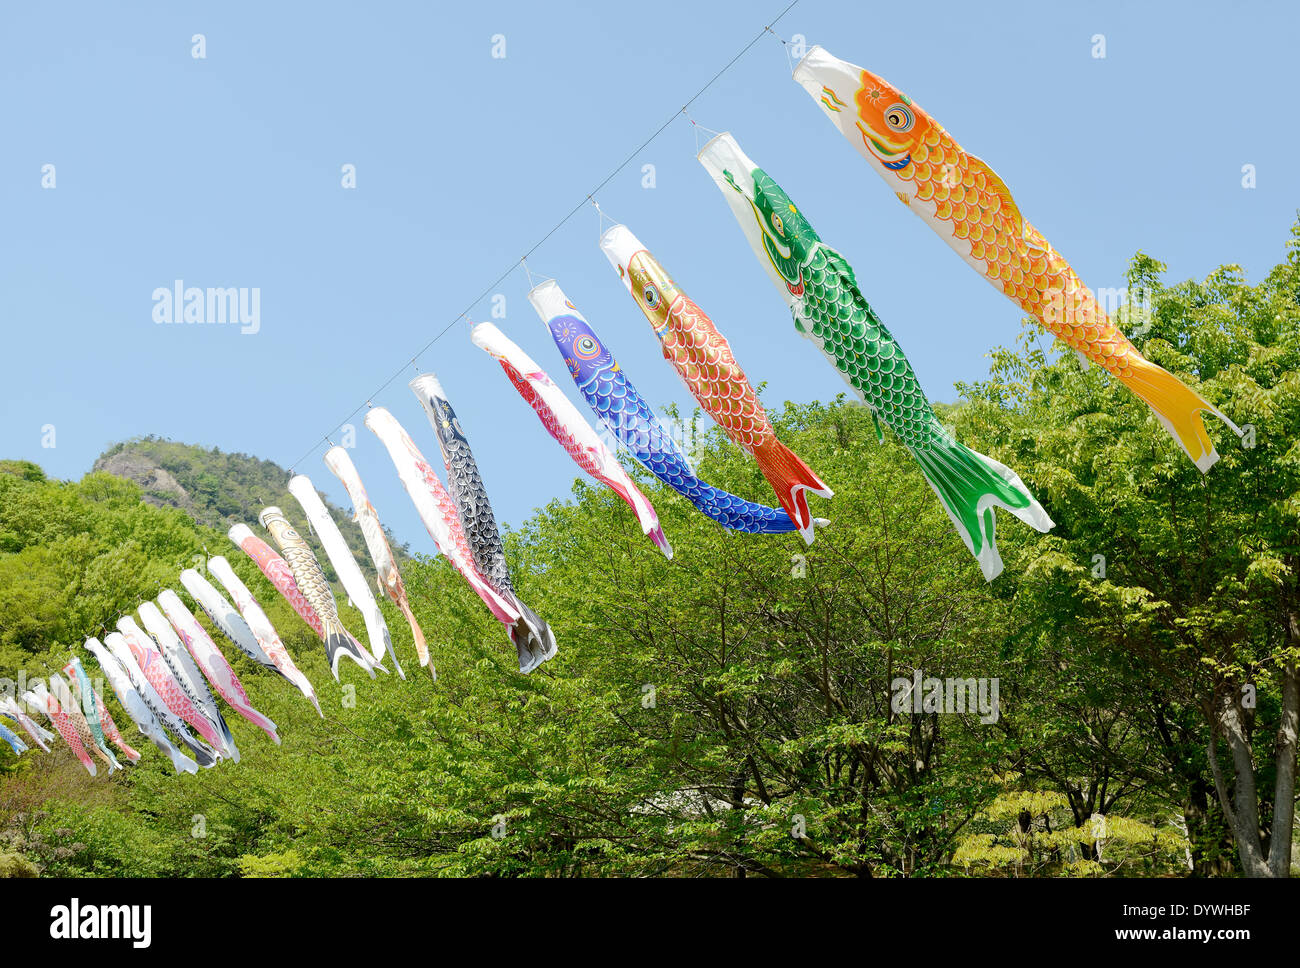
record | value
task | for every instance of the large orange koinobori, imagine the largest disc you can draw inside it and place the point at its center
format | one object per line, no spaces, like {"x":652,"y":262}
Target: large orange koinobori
{"x":970,"y":207}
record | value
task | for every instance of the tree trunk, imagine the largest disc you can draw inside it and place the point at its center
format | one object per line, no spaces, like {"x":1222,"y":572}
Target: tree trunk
{"x":1242,"y":809}
{"x":1279,"y":855}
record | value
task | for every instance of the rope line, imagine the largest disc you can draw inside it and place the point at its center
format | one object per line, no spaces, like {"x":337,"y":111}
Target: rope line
{"x":588,"y":198}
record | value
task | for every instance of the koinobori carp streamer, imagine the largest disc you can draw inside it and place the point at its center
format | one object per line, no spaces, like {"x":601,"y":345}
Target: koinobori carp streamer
{"x":166,"y":702}
{"x":97,"y":714}
{"x":533,"y":638}
{"x":345,"y":566}
{"x":62,"y":691}
{"x":278,"y":573}
{"x":212,"y":663}
{"x":62,"y":721}
{"x":829,"y":309}
{"x":187,"y":673}
{"x":630,"y":419}
{"x":381,"y":553}
{"x":224,"y":617}
{"x":311,"y":580}
{"x":971,"y":209}
{"x":702,"y":358}
{"x":261,"y":626}
{"x":154,"y":669}
{"x":437,"y":511}
{"x":12,"y":738}
{"x":136,"y":706}
{"x":571,"y":431}
{"x":40,"y":736}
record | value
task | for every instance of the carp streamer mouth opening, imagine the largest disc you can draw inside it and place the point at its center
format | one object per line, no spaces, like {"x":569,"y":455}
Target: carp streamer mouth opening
{"x":884,"y":149}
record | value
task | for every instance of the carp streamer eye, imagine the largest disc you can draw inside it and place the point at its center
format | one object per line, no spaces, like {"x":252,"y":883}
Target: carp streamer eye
{"x":586,"y":348}
{"x":651,"y":295}
{"x":778,"y":224}
{"x":899,"y":117}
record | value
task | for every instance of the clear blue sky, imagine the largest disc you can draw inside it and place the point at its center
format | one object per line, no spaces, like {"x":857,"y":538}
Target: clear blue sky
{"x":225,"y":171}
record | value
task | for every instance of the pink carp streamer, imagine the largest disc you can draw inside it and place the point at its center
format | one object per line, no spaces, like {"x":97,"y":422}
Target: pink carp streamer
{"x":61,"y":691}
{"x":187,"y":673}
{"x":135,"y":705}
{"x":436,"y":510}
{"x":165,"y":715}
{"x":41,"y":697}
{"x":565,"y":423}
{"x":159,"y":675}
{"x":212,"y":662}
{"x":262,"y":628}
{"x":278,"y":573}
{"x":85,"y":693}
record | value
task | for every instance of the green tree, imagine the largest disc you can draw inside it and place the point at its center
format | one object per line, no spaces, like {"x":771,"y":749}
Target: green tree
{"x":1186,"y":586}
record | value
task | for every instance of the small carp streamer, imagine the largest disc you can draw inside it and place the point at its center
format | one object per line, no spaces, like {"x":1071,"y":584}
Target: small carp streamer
{"x":62,"y":691}
{"x":187,"y":673}
{"x":10,"y":737}
{"x":440,"y":516}
{"x":145,"y":719}
{"x":628,"y":417}
{"x":278,"y":573}
{"x":311,"y":580}
{"x":702,"y":358}
{"x":40,"y":736}
{"x":829,"y":309}
{"x":971,"y":209}
{"x":261,"y":626}
{"x":155,"y":670}
{"x":225,"y":618}
{"x":345,"y":566}
{"x":533,"y":638}
{"x":212,"y":662}
{"x":381,"y":553}
{"x":38,"y":697}
{"x":165,"y":705}
{"x":97,"y":714}
{"x":563,"y":422}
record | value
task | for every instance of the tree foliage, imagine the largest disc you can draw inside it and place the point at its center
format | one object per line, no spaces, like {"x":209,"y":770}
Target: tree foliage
{"x":736,"y":711}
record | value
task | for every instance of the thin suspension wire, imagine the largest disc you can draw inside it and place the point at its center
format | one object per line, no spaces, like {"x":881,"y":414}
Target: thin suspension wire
{"x":588,"y":198}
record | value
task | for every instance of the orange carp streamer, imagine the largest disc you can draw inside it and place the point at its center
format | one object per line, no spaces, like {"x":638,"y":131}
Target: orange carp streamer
{"x":702,"y":358}
{"x":971,"y":208}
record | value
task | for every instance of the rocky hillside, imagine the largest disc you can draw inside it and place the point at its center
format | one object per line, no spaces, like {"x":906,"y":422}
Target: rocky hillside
{"x":215,"y":488}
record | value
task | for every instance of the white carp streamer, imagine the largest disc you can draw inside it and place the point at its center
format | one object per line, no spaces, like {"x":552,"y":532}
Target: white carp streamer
{"x":187,"y":674}
{"x":137,"y":707}
{"x":381,"y":554}
{"x":262,"y":628}
{"x":224,"y":617}
{"x":39,"y":734}
{"x":437,"y":511}
{"x":166,"y":703}
{"x":212,"y":662}
{"x":565,"y":423}
{"x":345,"y":566}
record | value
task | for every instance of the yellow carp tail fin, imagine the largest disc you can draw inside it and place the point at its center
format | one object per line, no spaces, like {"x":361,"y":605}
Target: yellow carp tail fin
{"x":1178,"y":407}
